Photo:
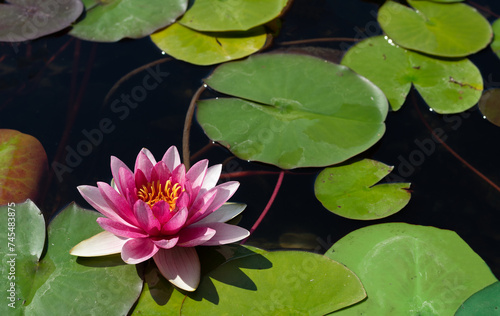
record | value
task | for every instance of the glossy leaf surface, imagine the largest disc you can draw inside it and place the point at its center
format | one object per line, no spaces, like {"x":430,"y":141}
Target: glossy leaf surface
{"x":447,"y":85}
{"x":293,"y":110}
{"x":351,"y":190}
{"x":441,"y":29}
{"x":408,"y":269}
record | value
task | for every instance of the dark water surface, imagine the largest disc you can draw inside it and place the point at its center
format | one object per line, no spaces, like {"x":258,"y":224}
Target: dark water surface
{"x":37,"y":93}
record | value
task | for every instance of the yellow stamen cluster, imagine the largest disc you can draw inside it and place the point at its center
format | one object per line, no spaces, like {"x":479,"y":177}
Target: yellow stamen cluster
{"x":155,"y":192}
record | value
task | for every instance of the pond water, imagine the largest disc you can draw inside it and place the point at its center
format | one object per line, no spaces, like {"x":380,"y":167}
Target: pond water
{"x":57,"y":80}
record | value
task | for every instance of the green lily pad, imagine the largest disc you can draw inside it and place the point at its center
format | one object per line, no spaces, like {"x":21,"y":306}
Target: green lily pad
{"x":442,"y":29}
{"x":274,"y":283}
{"x":23,"y":166}
{"x":495,"y":44}
{"x":22,"y":239}
{"x":201,"y":48}
{"x":350,"y":190}
{"x":22,"y":20}
{"x":59,"y":283}
{"x":112,"y":20}
{"x":231,"y":15}
{"x":484,"y":302}
{"x":443,"y":1}
{"x":293,"y":110}
{"x":411,"y":270}
{"x":447,"y":85}
{"x":489,"y":105}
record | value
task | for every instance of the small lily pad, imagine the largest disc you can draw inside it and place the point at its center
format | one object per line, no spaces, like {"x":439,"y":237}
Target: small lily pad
{"x":274,"y":283}
{"x":231,"y":15}
{"x":489,"y":105}
{"x":293,"y":110}
{"x":447,"y":85}
{"x":351,"y":191}
{"x":442,"y":29}
{"x":411,"y":270}
{"x":484,"y":302}
{"x":202,"y":48}
{"x":22,"y":20}
{"x":112,"y":20}
{"x":23,"y":166}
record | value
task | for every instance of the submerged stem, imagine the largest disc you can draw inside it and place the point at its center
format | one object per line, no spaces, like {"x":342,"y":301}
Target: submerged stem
{"x":187,"y":126}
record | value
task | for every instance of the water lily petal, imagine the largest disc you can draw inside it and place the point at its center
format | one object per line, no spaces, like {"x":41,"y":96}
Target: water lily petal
{"x":161,"y":210}
{"x":102,"y":244}
{"x":120,"y":229}
{"x":224,"y":213}
{"x":195,"y":176}
{"x":200,"y":206}
{"x":180,"y":266}
{"x":165,"y":243}
{"x":179,"y":175}
{"x":145,"y":162}
{"x":171,"y":158}
{"x":211,"y":177}
{"x":223,"y":193}
{"x":160,"y":172}
{"x":146,"y":218}
{"x":225,"y":234}
{"x":116,"y":165}
{"x":117,"y":202}
{"x":194,"y":236}
{"x":138,"y":250}
{"x":175,"y":223}
{"x":94,"y":197}
{"x":140,"y":179}
{"x":126,"y":185}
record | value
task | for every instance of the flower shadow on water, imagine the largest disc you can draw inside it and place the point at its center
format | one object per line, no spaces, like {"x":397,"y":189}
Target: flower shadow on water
{"x":101,"y":262}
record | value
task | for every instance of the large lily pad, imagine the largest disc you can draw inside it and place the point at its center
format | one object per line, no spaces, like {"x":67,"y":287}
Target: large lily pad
{"x":23,"y":166}
{"x":484,"y":302}
{"x":447,"y":85}
{"x":293,"y":110}
{"x":59,"y":283}
{"x":112,"y":20}
{"x":201,"y":48}
{"x":350,"y":190}
{"x":411,"y":270}
{"x":275,"y":283}
{"x":22,"y":20}
{"x":442,"y":29}
{"x":231,"y":15}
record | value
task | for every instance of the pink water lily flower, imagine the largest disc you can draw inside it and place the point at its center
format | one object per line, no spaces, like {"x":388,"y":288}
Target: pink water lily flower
{"x":162,"y":211}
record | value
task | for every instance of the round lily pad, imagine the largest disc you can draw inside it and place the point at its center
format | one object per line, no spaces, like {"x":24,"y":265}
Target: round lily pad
{"x":351,"y":190}
{"x":489,"y":105}
{"x":203,"y":48}
{"x":112,"y":20}
{"x":23,"y":166}
{"x":411,"y":270}
{"x":22,"y":20}
{"x":447,"y":85}
{"x":275,"y":283}
{"x":442,"y":29}
{"x":231,"y":15}
{"x":293,"y":110}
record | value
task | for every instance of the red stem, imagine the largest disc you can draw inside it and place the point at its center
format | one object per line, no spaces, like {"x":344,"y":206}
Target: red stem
{"x":268,"y":206}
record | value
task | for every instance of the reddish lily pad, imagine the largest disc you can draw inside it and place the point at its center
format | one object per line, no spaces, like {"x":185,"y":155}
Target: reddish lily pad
{"x":23,"y":166}
{"x":489,"y":105}
{"x":22,"y":20}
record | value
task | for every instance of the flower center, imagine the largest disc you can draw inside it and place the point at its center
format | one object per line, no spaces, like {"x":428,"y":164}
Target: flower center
{"x":155,"y":192}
